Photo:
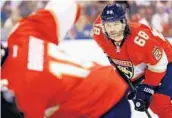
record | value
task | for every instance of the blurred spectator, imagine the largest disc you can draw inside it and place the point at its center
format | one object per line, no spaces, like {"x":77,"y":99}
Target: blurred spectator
{"x":153,"y":6}
{"x":135,"y":17}
{"x":132,"y":8}
{"x":5,"y":12}
{"x":99,"y":5}
{"x":167,"y":8}
{"x":143,"y":2}
{"x":160,"y":19}
{"x":41,"y":4}
{"x":27,"y":7}
{"x":91,"y":13}
{"x":143,"y":18}
{"x":12,"y":20}
{"x":170,"y":25}
{"x":152,"y":13}
{"x":75,"y":34}
{"x":81,"y":30}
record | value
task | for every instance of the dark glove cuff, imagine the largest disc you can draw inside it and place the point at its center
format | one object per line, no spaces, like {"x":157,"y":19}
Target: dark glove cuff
{"x":146,"y":88}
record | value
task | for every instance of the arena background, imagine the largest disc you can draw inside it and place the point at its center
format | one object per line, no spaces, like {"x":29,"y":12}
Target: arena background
{"x":78,"y":41}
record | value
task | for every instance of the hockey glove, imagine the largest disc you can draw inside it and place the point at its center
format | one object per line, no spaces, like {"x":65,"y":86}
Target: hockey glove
{"x":131,"y":95}
{"x":143,"y":97}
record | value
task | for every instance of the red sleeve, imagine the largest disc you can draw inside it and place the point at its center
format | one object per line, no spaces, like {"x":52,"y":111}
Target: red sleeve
{"x":154,"y":56}
{"x":156,"y":60}
{"x":153,"y":78}
{"x":33,"y":106}
{"x":40,"y":24}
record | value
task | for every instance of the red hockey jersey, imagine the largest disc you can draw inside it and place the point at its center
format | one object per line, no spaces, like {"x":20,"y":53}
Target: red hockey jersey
{"x":46,"y":80}
{"x":144,"y":52}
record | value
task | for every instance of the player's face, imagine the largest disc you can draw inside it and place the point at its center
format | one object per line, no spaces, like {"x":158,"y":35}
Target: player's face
{"x":115,"y":30}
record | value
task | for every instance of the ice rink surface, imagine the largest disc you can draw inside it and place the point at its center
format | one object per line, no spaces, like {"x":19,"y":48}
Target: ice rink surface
{"x":136,"y":114}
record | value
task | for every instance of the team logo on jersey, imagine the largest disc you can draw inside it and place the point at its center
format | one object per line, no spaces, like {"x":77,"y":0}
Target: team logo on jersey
{"x":126,"y":67}
{"x":157,"y":53}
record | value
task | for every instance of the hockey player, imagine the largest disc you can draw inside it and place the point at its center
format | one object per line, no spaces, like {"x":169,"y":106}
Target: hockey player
{"x":49,"y":83}
{"x":141,"y":54}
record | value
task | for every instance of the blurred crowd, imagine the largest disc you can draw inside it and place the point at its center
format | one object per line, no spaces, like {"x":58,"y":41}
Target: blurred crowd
{"x":157,"y":14}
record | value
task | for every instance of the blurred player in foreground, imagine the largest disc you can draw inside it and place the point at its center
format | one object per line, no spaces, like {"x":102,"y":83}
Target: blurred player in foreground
{"x":49,"y":83}
{"x":141,"y":54}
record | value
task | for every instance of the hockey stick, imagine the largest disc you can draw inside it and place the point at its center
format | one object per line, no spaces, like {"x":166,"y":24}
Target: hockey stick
{"x":133,"y":90}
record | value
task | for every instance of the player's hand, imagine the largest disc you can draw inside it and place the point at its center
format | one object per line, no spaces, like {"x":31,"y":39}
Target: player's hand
{"x":143,"y":97}
{"x":131,"y":95}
